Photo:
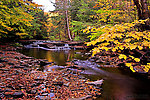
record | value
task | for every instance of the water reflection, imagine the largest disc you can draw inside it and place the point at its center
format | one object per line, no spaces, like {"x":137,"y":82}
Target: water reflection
{"x":59,"y":57}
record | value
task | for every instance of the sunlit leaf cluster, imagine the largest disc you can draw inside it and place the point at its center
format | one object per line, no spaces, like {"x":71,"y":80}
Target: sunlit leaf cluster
{"x":123,"y":39}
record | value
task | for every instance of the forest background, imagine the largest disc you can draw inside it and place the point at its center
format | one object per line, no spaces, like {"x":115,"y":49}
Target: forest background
{"x":117,"y":26}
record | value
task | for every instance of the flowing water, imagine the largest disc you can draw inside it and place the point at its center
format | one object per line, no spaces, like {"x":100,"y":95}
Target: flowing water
{"x":119,"y":84}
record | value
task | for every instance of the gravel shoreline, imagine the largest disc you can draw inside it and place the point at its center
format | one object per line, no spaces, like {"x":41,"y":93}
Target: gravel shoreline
{"x":20,"y":79}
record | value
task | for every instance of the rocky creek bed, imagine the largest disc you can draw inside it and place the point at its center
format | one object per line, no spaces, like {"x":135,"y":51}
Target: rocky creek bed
{"x":20,"y":78}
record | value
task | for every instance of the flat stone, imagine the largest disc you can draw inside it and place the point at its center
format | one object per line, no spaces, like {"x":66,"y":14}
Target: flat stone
{"x":33,"y":91}
{"x":98,"y":82}
{"x":23,"y":88}
{"x":8,"y":93}
{"x":81,"y":98}
{"x":99,"y":61}
{"x":18,"y":94}
{"x":67,"y":84}
{"x":44,"y":94}
{"x":51,"y":95}
{"x":108,"y":65}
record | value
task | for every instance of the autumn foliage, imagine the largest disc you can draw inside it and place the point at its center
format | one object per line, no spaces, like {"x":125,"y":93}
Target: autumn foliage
{"x":125,"y":40}
{"x":18,"y":19}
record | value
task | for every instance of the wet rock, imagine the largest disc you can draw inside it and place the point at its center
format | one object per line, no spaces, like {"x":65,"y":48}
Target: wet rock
{"x":33,"y":91}
{"x":23,"y":87}
{"x":51,"y":95}
{"x":18,"y":66}
{"x":58,"y":83}
{"x":3,"y":69}
{"x":108,"y":66}
{"x":66,"y":78}
{"x":99,"y":61}
{"x":18,"y":94}
{"x":92,"y":60}
{"x":98,"y":82}
{"x":3,"y":60}
{"x":67,"y":84}
{"x":10,"y":79}
{"x":44,"y":94}
{"x":87,"y":53}
{"x":25,"y":68}
{"x":78,"y":53}
{"x":8,"y":93}
{"x":27,"y":58}
{"x":11,"y":63}
{"x":81,"y":98}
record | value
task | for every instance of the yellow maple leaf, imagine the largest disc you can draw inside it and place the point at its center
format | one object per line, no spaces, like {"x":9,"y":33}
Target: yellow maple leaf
{"x":132,"y":69}
{"x":140,"y":47}
{"x":114,"y":49}
{"x":121,"y":47}
{"x":127,"y":40}
{"x":131,"y":56}
{"x":132,"y":47}
{"x":122,"y":56}
{"x":128,"y":64}
{"x":137,"y":59}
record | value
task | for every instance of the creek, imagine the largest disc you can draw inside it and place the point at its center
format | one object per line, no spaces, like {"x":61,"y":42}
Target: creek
{"x":119,"y":83}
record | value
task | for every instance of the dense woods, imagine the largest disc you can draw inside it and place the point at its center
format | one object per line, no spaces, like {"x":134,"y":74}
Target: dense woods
{"x":75,"y":51}
{"x":22,"y":19}
{"x":120,"y":27}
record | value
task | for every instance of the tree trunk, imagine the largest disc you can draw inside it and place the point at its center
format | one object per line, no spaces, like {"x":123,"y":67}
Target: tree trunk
{"x":143,"y":13}
{"x":142,"y":9}
{"x":67,"y":22}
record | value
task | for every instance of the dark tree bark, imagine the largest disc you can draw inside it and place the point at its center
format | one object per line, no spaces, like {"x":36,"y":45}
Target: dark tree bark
{"x":136,"y":2}
{"x":143,"y":12}
{"x":142,"y":8}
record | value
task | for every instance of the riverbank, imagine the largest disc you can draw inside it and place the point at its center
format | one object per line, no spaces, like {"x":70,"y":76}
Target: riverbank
{"x":20,"y":77}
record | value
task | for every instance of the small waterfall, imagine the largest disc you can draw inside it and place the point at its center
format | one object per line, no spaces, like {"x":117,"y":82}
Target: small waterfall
{"x":66,"y":45}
